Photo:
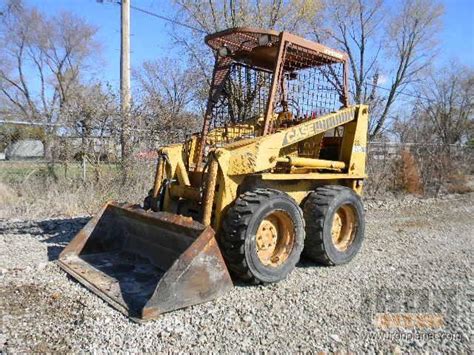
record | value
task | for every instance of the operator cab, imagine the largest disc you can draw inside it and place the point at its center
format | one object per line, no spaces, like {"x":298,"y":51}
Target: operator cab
{"x":265,"y":81}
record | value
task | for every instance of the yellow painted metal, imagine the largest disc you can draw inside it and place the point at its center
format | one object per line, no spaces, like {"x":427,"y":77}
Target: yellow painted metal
{"x":256,"y":159}
{"x":275,"y":238}
{"x":311,"y":176}
{"x":208,"y":200}
{"x":354,"y":142}
{"x":228,"y":187}
{"x":256,"y":153}
{"x":223,"y":135}
{"x":186,"y":192}
{"x":158,"y":177}
{"x":264,"y":151}
{"x":312,"y":163}
{"x":182,"y":174}
{"x":343,"y":227}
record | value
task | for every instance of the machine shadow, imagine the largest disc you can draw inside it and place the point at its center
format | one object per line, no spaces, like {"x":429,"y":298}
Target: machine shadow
{"x":131,"y":274}
{"x":136,"y":279}
{"x":124,"y":277}
{"x":55,"y":233}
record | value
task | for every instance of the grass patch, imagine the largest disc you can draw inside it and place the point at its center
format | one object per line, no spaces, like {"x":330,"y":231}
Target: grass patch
{"x":32,"y":189}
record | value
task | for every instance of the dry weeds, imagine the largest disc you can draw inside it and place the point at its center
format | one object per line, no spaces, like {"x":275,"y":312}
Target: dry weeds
{"x":40,"y":195}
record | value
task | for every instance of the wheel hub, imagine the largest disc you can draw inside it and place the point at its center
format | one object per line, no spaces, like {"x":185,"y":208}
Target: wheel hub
{"x":267,"y":235}
{"x":275,"y":238}
{"x":343,"y":227}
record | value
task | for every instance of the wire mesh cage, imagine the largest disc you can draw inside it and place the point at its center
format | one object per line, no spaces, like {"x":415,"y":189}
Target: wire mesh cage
{"x":311,"y":82}
{"x":311,"y":85}
{"x":240,"y":109}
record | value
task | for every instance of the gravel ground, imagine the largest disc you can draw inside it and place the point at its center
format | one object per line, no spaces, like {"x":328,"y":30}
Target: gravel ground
{"x":417,"y":258}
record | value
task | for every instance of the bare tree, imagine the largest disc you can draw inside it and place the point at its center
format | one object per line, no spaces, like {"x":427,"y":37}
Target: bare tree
{"x":386,"y":42}
{"x":449,"y":107}
{"x":170,"y":98}
{"x":444,"y":114}
{"x":440,"y":125}
{"x":353,"y":25}
{"x":42,"y":60}
{"x":90,"y":113}
{"x":392,"y":44}
{"x":213,"y":15}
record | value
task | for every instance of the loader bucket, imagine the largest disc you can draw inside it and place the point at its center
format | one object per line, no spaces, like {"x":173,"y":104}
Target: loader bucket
{"x":146,"y":263}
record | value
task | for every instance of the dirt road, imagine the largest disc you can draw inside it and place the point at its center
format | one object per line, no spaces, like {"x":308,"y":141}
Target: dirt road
{"x":416,"y":261}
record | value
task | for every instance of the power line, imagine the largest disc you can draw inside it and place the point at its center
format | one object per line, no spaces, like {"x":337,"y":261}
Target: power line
{"x":163,"y":18}
{"x":396,"y":91}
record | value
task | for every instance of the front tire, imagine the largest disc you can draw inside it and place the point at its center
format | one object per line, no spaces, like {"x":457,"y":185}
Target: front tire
{"x":263,"y":236}
{"x":335,"y":225}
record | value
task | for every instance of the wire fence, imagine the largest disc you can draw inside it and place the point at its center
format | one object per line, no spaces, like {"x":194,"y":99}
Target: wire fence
{"x":421,"y":168}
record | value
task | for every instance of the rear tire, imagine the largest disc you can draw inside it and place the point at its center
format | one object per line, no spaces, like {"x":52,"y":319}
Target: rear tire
{"x":263,"y":236}
{"x":335,"y":225}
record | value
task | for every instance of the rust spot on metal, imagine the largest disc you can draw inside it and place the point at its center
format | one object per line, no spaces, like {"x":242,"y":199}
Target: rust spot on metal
{"x":146,"y":263}
{"x":210,"y":191}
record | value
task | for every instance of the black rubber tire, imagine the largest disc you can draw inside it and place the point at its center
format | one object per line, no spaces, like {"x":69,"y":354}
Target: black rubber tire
{"x":238,"y":237}
{"x":147,"y":201}
{"x":319,"y":209}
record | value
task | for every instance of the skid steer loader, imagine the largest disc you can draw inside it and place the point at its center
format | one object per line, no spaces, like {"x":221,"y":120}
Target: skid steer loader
{"x":276,"y":171}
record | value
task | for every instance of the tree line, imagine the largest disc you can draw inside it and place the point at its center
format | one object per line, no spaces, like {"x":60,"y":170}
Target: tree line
{"x":49,"y":69}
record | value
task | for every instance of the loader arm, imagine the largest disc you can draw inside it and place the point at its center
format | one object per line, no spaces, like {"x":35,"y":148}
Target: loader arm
{"x":261,"y":154}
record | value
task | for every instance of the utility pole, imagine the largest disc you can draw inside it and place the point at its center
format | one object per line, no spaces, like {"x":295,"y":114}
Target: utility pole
{"x":125,"y":96}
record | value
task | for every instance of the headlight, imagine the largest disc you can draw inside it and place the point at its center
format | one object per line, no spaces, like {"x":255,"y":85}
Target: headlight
{"x":223,"y":51}
{"x":263,"y":40}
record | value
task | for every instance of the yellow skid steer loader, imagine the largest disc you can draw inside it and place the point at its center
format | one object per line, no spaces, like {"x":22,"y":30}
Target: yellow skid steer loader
{"x":276,"y":171}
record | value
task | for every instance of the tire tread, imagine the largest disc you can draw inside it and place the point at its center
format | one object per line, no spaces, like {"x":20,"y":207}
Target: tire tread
{"x":315,"y":210}
{"x":235,"y":227}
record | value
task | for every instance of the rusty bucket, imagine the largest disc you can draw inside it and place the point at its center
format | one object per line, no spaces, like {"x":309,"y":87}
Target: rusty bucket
{"x":146,"y":263}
